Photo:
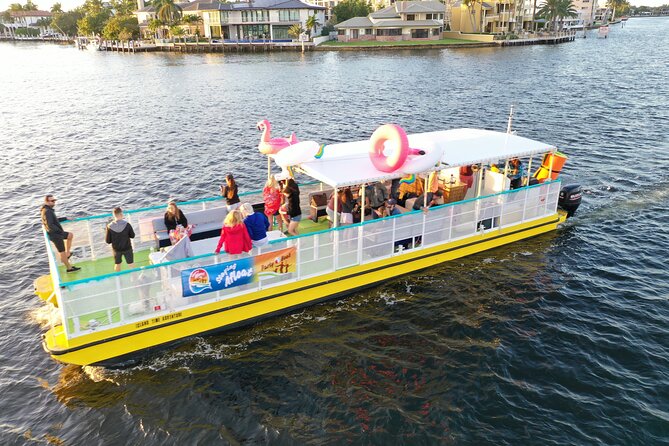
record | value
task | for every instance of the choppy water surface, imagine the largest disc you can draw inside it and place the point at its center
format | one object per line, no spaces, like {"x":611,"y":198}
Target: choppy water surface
{"x":562,"y":339}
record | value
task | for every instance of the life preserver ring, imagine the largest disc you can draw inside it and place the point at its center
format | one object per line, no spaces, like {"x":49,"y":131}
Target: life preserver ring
{"x":392,"y":162}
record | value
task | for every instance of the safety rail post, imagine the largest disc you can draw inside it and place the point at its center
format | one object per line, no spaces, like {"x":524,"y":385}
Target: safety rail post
{"x":119,"y":297}
{"x":422,"y":232}
{"x":392,"y":246}
{"x":335,"y":248}
{"x":527,"y":194}
{"x":450,"y":226}
{"x":297,"y":258}
{"x":501,"y":211}
{"x":90,"y":238}
{"x":360,"y":236}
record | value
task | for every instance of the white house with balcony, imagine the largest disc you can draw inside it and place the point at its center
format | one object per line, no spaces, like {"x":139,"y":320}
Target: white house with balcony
{"x":410,"y":20}
{"x":253,"y":20}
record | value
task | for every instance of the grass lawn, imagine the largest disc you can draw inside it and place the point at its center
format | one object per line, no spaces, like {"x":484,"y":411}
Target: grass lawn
{"x":401,"y":43}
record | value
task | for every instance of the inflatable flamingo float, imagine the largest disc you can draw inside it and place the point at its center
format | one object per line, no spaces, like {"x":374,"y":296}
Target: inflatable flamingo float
{"x":270,"y":146}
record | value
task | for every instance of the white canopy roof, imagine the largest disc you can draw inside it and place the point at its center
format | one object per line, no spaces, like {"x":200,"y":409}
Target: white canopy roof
{"x":348,"y":164}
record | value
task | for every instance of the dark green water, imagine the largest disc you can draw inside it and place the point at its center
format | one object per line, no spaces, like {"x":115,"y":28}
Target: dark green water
{"x":562,"y":339}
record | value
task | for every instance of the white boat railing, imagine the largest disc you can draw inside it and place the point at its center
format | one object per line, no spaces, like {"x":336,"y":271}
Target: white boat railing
{"x":154,"y":294}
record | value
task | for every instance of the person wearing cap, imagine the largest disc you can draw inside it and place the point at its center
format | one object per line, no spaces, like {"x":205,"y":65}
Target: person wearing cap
{"x":256,"y":223}
{"x":61,"y":239}
{"x":391,"y":205}
{"x":230,"y":192}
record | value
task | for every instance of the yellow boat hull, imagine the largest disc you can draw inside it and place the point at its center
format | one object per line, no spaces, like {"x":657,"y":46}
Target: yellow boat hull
{"x":116,"y":346}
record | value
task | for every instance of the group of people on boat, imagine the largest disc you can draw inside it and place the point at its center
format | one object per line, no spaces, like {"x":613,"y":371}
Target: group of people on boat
{"x":244,"y":228}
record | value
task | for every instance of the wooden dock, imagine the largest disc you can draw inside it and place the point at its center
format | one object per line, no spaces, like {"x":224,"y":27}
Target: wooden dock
{"x":539,"y":40}
{"x":131,"y":46}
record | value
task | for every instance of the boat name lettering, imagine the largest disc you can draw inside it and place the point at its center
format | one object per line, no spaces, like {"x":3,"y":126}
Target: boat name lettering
{"x":156,"y":320}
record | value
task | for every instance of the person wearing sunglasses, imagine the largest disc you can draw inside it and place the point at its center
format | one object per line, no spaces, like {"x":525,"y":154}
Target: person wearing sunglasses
{"x":61,"y":239}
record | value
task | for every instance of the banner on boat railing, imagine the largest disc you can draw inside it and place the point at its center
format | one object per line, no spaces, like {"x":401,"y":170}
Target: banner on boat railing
{"x":210,"y":278}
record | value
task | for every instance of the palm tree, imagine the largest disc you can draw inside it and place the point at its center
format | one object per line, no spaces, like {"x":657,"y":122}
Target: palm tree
{"x":471,"y":9}
{"x":295,"y":30}
{"x":154,"y":26}
{"x":554,"y":10}
{"x":312,"y":23}
{"x":614,"y":4}
{"x":566,"y":8}
{"x":177,"y":31}
{"x":192,"y":20}
{"x":56,"y":8}
{"x":167,"y":10}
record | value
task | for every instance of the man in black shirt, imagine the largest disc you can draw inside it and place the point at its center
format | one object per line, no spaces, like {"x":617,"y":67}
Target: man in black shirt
{"x":60,"y":238}
{"x":119,"y":233}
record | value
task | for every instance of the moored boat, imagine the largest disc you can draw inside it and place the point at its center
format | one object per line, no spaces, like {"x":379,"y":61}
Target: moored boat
{"x":106,"y":318}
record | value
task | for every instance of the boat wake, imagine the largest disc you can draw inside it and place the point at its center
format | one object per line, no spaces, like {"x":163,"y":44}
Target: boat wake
{"x":620,"y":206}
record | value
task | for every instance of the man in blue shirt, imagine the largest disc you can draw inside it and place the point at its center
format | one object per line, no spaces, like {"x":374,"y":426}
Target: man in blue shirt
{"x":391,"y":206}
{"x":256,"y":223}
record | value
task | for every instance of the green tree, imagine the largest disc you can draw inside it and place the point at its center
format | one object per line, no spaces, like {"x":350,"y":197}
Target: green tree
{"x":16,"y":7}
{"x":177,"y":31}
{"x":124,"y":7}
{"x":349,"y":9}
{"x":295,"y":30}
{"x":167,"y":10}
{"x":30,"y":6}
{"x":119,"y":26}
{"x":312,"y":23}
{"x":56,"y":8}
{"x":43,"y":22}
{"x":615,"y":4}
{"x":154,"y":26}
{"x":66,"y":22}
{"x":192,"y":20}
{"x":554,"y":10}
{"x":93,"y":24}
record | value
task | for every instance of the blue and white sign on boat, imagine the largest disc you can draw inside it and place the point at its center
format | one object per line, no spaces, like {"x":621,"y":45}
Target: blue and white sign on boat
{"x":207,"y":279}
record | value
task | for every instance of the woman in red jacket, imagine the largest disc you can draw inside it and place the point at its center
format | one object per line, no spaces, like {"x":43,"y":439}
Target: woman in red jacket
{"x":234,"y":235}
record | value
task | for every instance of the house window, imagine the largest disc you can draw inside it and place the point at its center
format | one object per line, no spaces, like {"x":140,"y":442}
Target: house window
{"x":419,"y":34}
{"x":389,"y":32}
{"x":225,"y":15}
{"x":411,"y":17}
{"x":281,"y":32}
{"x":255,"y":16}
{"x":341,"y":32}
{"x":289,"y":15}
{"x":369,"y":31}
{"x":255,"y":31}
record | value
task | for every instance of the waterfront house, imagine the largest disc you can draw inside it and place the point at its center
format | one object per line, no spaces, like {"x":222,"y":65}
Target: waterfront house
{"x":403,"y":20}
{"x":491,"y":16}
{"x":27,"y":19}
{"x":253,"y":20}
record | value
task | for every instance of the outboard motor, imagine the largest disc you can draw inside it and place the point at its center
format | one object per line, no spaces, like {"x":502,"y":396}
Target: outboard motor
{"x":570,"y":198}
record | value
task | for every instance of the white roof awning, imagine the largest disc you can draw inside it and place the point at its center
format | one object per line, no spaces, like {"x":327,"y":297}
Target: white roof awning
{"x":348,"y":164}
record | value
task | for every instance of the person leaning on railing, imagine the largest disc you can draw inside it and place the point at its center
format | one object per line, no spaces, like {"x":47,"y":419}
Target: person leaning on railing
{"x":59,"y":237}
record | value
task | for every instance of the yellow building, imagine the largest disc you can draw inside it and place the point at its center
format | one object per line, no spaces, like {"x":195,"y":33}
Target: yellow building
{"x":491,"y":16}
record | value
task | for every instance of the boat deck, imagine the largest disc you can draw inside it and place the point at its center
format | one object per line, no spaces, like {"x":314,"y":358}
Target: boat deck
{"x":105,"y":265}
